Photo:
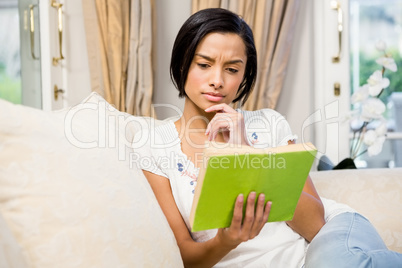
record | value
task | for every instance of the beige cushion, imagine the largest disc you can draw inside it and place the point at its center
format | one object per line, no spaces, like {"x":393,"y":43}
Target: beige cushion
{"x":375,"y":193}
{"x":10,"y":251}
{"x":69,"y":194}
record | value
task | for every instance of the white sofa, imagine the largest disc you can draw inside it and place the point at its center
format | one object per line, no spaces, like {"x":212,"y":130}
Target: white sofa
{"x":71,"y":194}
{"x":375,"y":193}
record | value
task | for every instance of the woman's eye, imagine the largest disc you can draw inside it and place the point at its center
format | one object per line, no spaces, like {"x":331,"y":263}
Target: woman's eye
{"x":232,"y":70}
{"x":202,"y":65}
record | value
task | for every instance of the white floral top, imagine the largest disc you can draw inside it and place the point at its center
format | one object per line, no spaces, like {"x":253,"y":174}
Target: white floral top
{"x":159,"y":151}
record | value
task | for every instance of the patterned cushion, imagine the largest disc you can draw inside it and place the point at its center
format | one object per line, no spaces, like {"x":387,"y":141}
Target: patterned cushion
{"x":375,"y":193}
{"x":69,"y":194}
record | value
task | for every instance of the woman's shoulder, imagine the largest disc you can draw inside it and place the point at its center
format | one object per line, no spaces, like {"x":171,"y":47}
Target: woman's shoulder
{"x":152,"y":146}
{"x":267,"y":128}
{"x":261,"y":114}
{"x":265,"y":119}
{"x":156,"y":135}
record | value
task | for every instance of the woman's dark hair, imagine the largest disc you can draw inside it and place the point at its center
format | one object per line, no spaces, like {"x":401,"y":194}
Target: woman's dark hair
{"x":196,"y":27}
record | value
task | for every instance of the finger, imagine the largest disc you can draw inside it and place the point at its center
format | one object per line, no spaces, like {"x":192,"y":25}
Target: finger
{"x":225,"y":130}
{"x":222,"y":107}
{"x":267,"y":210}
{"x":230,"y":124}
{"x":229,"y":128}
{"x":217,"y":125}
{"x":249,"y":216}
{"x":238,"y":213}
{"x":231,"y":118}
{"x":259,"y":216}
{"x":218,"y":117}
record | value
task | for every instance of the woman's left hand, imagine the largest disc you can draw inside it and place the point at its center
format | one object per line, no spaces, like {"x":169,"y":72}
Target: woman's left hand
{"x":229,"y":122}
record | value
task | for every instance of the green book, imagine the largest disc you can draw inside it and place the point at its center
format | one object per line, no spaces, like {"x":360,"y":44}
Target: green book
{"x":280,"y":173}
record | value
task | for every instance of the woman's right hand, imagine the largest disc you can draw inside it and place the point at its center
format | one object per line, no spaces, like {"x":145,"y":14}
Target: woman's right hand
{"x":254,"y":220}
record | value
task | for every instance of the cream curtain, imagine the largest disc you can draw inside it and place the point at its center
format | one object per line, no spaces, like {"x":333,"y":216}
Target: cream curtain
{"x":107,"y":31}
{"x":273,"y":25}
{"x":119,"y":52}
{"x":140,"y":78}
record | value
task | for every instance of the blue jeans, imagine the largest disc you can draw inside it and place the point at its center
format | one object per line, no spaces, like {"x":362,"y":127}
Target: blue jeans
{"x":349,"y":240}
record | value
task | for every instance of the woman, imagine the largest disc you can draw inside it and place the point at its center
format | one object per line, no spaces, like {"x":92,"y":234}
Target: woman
{"x":213,"y":65}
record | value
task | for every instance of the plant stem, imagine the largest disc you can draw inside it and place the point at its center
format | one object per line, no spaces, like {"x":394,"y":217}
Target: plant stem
{"x":382,"y":90}
{"x":361,"y":154}
{"x":353,"y":143}
{"x":362,"y":130}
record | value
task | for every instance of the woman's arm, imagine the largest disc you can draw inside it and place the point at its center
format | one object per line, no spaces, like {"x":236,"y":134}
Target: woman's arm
{"x":209,"y":253}
{"x":309,"y":214}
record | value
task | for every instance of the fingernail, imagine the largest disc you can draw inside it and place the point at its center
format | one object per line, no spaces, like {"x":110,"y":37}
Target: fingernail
{"x":262,"y":197}
{"x":240,"y":198}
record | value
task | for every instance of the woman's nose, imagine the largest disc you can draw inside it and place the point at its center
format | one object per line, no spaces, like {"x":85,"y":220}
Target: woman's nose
{"x":216,"y":79}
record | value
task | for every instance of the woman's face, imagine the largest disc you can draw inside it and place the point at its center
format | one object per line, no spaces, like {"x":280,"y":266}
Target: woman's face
{"x":217,"y":70}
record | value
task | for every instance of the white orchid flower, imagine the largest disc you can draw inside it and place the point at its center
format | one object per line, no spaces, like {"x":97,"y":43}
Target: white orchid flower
{"x":374,"y":142}
{"x":370,"y":137}
{"x":382,"y":129}
{"x":372,"y":108}
{"x":356,"y":124}
{"x":376,"y":83}
{"x":381,"y":45}
{"x":376,"y":147}
{"x":361,"y":94}
{"x":388,"y":63}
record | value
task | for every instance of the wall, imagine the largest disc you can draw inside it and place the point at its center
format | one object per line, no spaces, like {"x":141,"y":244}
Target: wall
{"x":296,"y":101}
{"x":170,"y":15}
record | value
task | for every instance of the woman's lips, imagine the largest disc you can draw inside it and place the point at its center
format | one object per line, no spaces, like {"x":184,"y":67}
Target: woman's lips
{"x":213,"y":97}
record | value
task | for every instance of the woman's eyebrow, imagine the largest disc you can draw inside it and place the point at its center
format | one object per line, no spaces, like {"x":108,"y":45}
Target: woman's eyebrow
{"x":211,"y":59}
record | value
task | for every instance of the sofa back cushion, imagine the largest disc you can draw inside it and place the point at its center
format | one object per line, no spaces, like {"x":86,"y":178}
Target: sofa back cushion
{"x":375,"y":193}
{"x":70,"y":194}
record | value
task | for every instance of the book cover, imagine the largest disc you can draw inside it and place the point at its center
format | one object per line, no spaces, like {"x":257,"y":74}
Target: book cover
{"x":280,"y":173}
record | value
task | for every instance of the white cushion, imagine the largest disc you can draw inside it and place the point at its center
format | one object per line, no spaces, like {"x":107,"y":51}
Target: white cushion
{"x":10,"y":251}
{"x":69,"y":194}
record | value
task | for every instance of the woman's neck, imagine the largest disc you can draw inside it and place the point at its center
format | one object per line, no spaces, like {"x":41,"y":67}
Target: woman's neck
{"x":193,"y":123}
{"x":194,"y":118}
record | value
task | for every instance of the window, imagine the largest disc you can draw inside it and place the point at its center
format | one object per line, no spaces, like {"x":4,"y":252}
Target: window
{"x":369,"y":22}
{"x":10,"y":63}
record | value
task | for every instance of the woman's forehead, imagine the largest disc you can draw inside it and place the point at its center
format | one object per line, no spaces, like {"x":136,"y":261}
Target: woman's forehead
{"x":218,"y":44}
